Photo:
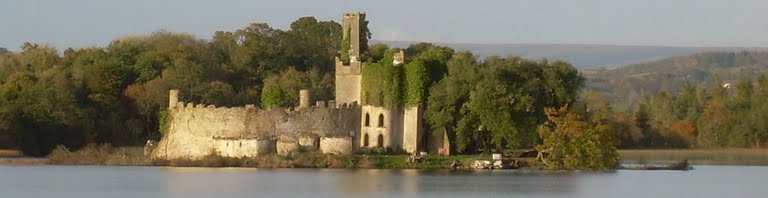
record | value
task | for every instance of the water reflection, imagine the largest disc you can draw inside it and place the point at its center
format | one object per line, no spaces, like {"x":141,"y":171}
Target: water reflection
{"x":377,"y":182}
{"x":63,"y":181}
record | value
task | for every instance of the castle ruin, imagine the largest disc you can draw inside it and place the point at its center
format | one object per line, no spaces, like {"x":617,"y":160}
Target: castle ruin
{"x":340,"y":126}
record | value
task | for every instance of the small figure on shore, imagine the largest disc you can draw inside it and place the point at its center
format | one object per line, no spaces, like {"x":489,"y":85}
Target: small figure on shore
{"x":148,"y":147}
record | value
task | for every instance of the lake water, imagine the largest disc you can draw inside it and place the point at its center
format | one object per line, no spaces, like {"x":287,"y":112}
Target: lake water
{"x":79,"y":181}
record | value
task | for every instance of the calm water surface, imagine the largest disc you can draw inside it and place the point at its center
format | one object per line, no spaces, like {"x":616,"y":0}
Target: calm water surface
{"x":76,"y":181}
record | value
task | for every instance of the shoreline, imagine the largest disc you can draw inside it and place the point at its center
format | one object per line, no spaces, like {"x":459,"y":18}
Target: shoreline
{"x":23,"y":161}
{"x":17,"y":158}
{"x":130,"y":157}
{"x":137,"y":156}
{"x":724,"y":156}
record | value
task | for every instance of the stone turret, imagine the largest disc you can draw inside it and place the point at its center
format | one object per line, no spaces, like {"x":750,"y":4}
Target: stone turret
{"x":305,"y":98}
{"x":173,"y":98}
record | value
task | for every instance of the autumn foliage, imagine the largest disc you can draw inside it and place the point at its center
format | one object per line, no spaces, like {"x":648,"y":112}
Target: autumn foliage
{"x":573,"y":142}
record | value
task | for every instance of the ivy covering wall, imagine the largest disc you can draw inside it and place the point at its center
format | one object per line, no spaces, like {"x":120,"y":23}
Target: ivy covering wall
{"x":401,"y":85}
{"x":382,"y":82}
{"x":345,"y":44}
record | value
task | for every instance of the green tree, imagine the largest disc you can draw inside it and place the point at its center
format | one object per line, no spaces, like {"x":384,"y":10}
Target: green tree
{"x":312,"y":44}
{"x":744,"y":132}
{"x":716,"y":119}
{"x":148,"y":100}
{"x":446,"y":110}
{"x":283,"y":90}
{"x":376,"y":51}
{"x":260,"y":53}
{"x":576,"y":143}
{"x":423,"y":71}
{"x":501,"y":104}
{"x":688,"y":104}
{"x":365,"y":36}
{"x":757,"y":113}
{"x":41,"y":111}
{"x":38,"y":58}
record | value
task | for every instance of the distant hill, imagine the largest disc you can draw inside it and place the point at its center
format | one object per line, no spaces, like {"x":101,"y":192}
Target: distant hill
{"x":582,"y":56}
{"x":625,"y":85}
{"x":3,"y":50}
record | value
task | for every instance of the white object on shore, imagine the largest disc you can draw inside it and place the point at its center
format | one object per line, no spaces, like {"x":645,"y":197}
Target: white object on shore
{"x":496,"y":157}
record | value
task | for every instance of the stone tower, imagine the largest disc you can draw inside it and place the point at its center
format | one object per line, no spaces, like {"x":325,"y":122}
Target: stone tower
{"x":173,"y":98}
{"x":348,"y":74}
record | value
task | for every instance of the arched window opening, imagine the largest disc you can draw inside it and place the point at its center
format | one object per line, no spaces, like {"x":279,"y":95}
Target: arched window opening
{"x":365,"y":140}
{"x":380,"y":141}
{"x":381,"y":120}
{"x":367,"y":119}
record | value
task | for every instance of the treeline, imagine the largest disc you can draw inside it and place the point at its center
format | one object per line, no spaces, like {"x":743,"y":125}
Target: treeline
{"x":717,"y":115}
{"x":114,"y":94}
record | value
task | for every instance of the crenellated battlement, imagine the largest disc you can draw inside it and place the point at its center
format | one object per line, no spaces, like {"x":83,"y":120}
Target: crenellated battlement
{"x":352,"y":14}
{"x":327,"y":104}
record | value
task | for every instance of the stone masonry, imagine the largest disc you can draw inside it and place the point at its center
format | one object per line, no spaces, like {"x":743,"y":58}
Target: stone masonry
{"x":198,"y":130}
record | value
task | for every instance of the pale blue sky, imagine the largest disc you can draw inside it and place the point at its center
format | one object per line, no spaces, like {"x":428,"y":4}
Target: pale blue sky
{"x":81,"y":23}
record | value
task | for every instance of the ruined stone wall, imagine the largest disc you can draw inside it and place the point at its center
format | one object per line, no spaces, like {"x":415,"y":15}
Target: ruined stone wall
{"x":197,"y":130}
{"x":336,"y":145}
{"x":413,"y":128}
{"x":192,"y":129}
{"x":246,"y":147}
{"x":391,"y":130}
{"x":348,"y":83}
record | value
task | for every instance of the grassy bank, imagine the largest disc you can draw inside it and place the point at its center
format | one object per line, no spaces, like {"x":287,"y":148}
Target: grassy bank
{"x":319,"y":160}
{"x":100,"y":155}
{"x":698,"y":156}
{"x":304,"y":160}
{"x":134,"y":156}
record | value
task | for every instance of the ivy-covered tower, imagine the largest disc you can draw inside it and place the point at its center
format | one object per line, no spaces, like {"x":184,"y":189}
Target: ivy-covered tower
{"x":348,"y":65}
{"x":394,"y":127}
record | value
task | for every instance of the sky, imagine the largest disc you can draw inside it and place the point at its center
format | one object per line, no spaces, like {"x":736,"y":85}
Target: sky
{"x":705,"y":23}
